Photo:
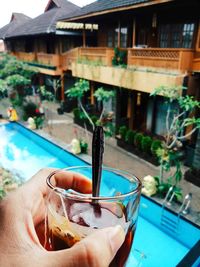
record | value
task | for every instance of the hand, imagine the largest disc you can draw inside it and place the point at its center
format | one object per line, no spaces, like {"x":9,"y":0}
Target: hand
{"x":23,"y":210}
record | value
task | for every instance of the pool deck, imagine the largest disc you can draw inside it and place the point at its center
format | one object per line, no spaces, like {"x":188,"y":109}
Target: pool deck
{"x":61,"y":130}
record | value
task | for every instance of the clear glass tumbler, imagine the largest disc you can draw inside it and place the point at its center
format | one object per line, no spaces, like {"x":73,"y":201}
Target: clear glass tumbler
{"x":73,"y":215}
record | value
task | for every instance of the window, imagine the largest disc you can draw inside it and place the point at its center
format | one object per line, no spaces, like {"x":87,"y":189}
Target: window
{"x":176,"y":35}
{"x":110,"y":38}
{"x":123,"y":37}
{"x":188,"y":31}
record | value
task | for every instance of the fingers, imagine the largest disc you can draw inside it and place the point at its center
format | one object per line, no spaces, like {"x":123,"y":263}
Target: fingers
{"x":78,"y":182}
{"x":35,"y":190}
{"x":96,"y":250}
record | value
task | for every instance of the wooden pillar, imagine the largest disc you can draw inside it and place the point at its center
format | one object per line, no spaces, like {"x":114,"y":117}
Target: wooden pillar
{"x":62,"y":88}
{"x":130,"y":110}
{"x":84,"y":36}
{"x":119,"y":35}
{"x":134,"y":33}
{"x":198,"y":37}
{"x":92,"y":93}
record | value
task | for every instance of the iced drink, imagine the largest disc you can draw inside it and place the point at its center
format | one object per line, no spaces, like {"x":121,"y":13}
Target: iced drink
{"x":70,"y":220}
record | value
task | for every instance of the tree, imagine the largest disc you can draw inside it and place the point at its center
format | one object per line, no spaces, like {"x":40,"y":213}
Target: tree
{"x":177,"y":121}
{"x":15,"y":78}
{"x":102,"y":96}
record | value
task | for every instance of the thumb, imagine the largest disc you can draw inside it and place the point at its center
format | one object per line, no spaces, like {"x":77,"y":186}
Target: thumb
{"x":96,"y":250}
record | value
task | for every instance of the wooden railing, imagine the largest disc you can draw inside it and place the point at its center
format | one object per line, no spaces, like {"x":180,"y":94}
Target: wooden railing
{"x":167,"y":58}
{"x":196,"y":61}
{"x":25,"y":56}
{"x":163,"y":58}
{"x":68,"y":57}
{"x":101,"y":55}
{"x":49,"y":59}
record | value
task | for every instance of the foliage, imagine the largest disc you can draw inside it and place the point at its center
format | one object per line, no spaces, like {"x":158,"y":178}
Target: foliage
{"x":156,"y":144}
{"x":79,"y":89}
{"x":3,"y":88}
{"x":84,"y":146}
{"x":102,"y":95}
{"x":119,"y":58}
{"x":47,"y":95}
{"x":146,"y":143}
{"x":130,"y":135}
{"x":15,"y":78}
{"x":76,"y":112}
{"x":138,"y":140}
{"x":122,"y":131}
{"x":177,"y":120}
{"x":39,"y":121}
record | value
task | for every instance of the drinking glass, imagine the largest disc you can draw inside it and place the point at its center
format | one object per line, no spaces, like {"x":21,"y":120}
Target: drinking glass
{"x":72,"y":215}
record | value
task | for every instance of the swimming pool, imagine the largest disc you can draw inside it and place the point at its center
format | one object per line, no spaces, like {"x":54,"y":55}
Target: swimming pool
{"x":26,"y":152}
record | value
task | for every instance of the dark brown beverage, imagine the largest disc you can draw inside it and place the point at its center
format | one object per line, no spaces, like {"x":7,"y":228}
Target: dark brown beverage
{"x":83,"y":219}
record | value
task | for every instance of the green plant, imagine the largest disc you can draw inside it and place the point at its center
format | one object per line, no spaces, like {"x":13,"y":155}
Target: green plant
{"x":119,"y":58}
{"x":84,"y":146}
{"x":138,"y":140}
{"x":130,"y":135}
{"x":146,"y":143}
{"x":76,"y":112}
{"x":122,"y":132}
{"x":156,"y":144}
{"x":177,"y":120}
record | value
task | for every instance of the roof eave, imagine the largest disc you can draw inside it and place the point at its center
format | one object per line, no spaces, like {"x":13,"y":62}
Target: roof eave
{"x":103,"y":12}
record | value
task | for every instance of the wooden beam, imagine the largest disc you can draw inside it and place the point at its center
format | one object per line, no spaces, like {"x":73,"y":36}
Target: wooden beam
{"x":62,"y":88}
{"x":134,"y":33}
{"x":92,"y":93}
{"x":84,"y":38}
{"x":198,"y":37}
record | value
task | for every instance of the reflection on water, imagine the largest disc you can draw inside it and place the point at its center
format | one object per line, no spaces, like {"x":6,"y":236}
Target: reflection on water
{"x":19,"y":160}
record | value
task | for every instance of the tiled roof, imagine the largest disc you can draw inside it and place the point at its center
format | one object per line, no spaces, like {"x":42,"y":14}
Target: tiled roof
{"x":17,"y":19}
{"x":102,"y":5}
{"x":46,"y":22}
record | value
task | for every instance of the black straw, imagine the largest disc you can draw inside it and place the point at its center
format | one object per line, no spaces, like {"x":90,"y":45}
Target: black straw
{"x":97,"y":159}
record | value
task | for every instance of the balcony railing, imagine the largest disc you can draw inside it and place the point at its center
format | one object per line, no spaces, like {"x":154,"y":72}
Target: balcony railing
{"x":175,"y":59}
{"x":160,"y":58}
{"x":196,"y":61}
{"x":49,"y":59}
{"x":25,"y":56}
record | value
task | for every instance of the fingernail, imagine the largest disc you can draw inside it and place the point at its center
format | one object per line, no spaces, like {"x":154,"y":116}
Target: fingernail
{"x":116,"y":237}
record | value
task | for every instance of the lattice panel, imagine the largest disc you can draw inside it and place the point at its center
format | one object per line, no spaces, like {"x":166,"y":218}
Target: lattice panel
{"x":155,"y":53}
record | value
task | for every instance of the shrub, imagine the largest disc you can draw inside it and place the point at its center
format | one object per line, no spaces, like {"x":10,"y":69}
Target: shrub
{"x":76,"y":112}
{"x":146,"y":143}
{"x":94,"y":118}
{"x":156,"y":144}
{"x":129,"y":138}
{"x":84,"y":146}
{"x":138,"y":140}
{"x":122,"y":131}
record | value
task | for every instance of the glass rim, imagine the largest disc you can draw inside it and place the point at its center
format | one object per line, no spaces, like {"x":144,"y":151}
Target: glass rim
{"x":88,"y":197}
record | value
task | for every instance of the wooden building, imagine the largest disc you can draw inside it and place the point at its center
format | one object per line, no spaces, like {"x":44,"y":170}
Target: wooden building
{"x":161,"y":40}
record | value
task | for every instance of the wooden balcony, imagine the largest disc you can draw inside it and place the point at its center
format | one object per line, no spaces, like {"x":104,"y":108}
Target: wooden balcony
{"x":161,"y":58}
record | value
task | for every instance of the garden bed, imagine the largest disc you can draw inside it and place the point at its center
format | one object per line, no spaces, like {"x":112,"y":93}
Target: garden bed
{"x":132,"y":149}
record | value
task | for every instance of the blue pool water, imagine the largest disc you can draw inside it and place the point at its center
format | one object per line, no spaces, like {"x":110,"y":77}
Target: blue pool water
{"x":25,"y":152}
